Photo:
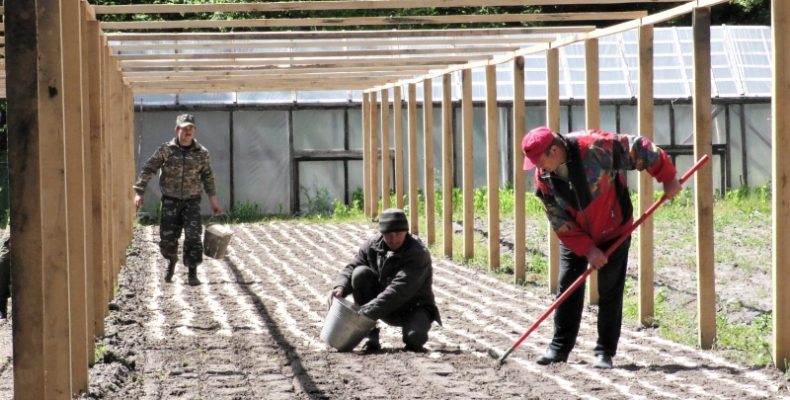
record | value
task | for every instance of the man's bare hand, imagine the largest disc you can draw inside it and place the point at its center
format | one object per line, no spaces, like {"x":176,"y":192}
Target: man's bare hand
{"x":596,"y":258}
{"x":672,"y":188}
{"x":336,"y":292}
{"x":138,"y":201}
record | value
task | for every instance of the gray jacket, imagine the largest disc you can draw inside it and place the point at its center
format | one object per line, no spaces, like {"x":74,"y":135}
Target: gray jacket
{"x":406,"y":276}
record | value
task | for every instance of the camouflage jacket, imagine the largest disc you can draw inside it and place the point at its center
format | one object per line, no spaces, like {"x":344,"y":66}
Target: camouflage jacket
{"x":183,"y":171}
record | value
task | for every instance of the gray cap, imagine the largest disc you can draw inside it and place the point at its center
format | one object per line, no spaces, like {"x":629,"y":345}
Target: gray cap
{"x":393,"y":220}
{"x":185,"y":120}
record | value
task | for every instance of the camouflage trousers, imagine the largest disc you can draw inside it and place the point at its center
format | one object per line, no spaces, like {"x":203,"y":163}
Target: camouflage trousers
{"x":178,"y":215}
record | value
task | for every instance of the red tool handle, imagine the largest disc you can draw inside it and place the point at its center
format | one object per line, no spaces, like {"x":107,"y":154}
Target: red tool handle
{"x":611,"y":249}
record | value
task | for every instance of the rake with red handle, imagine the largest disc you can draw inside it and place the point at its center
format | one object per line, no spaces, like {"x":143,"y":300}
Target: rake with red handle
{"x":501,"y":358}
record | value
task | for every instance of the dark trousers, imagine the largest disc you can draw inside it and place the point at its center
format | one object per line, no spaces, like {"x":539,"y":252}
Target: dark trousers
{"x":178,"y":215}
{"x":611,"y":282}
{"x":415,"y":322}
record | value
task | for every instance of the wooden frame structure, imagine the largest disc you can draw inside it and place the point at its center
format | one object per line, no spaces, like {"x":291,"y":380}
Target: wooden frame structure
{"x":70,"y":83}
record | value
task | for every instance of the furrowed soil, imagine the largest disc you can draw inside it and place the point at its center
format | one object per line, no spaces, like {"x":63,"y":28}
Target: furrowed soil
{"x":251,"y":331}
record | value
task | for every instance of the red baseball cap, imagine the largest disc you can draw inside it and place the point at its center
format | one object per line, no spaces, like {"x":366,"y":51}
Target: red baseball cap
{"x":534,"y":143}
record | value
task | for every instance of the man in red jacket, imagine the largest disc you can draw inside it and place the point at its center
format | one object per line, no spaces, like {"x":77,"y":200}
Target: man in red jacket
{"x":580,"y":178}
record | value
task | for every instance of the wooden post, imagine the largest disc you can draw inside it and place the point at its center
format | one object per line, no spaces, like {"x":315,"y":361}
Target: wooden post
{"x":75,"y":192}
{"x":41,"y":329}
{"x":492,"y":163}
{"x":519,"y":216}
{"x":386,"y":165}
{"x":467,"y":117}
{"x":645,"y":185}
{"x":374,"y":156}
{"x":87,"y":58}
{"x":364,"y":116}
{"x":397,"y":108}
{"x":428,"y":164}
{"x":553,"y":123}
{"x":592,"y":116}
{"x":703,"y":179}
{"x":780,"y":26}
{"x":414,"y":210}
{"x":447,"y":164}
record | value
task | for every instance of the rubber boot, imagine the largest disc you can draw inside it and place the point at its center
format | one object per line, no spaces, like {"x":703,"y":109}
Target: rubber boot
{"x":171,"y":269}
{"x":193,"y":279}
{"x":3,"y":308}
{"x":373,"y":344}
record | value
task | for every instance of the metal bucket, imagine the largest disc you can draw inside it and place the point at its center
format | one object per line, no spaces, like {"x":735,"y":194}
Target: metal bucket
{"x":216,"y":240}
{"x":344,"y":328}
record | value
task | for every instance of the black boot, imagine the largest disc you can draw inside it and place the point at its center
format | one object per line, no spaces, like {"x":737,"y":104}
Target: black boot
{"x":372,"y":345}
{"x":3,"y":308}
{"x":171,"y":269}
{"x":193,"y":279}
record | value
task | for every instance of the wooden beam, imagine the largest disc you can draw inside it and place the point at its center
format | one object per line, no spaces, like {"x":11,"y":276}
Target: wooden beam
{"x":492,"y":167}
{"x":553,"y":123}
{"x":41,"y":329}
{"x":646,"y":308}
{"x":447,"y":165}
{"x":592,"y":116}
{"x":467,"y":140}
{"x":414,"y":210}
{"x":340,"y":5}
{"x":374,"y":155}
{"x":274,"y":62}
{"x":314,"y":54}
{"x":428,"y":164}
{"x":75,"y":192}
{"x":397,"y":108}
{"x":235,"y":45}
{"x":373,"y":21}
{"x":519,"y":187}
{"x":365,"y":119}
{"x":780,"y":192}
{"x":355,"y":34}
{"x":703,"y":179}
{"x":386,"y":161}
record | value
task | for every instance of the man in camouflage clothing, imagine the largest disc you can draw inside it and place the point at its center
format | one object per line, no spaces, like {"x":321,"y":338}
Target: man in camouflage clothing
{"x":185,"y":168}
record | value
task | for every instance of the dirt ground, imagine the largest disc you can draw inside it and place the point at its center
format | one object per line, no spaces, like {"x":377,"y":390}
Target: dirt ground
{"x":251,"y":331}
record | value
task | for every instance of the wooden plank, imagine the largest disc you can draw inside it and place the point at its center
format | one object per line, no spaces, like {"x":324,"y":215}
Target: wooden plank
{"x":106,"y":185}
{"x":365,"y":117}
{"x":90,"y":305}
{"x":645,"y":306}
{"x":592,"y":116}
{"x":414,"y":213}
{"x":467,"y":141}
{"x":492,"y":167}
{"x":703,"y":179}
{"x":519,"y":185}
{"x":24,"y":153}
{"x":317,"y":54}
{"x":553,"y":123}
{"x":386,"y":161}
{"x":397,"y":108}
{"x":428,"y":164}
{"x":374,"y":155}
{"x":355,"y":34}
{"x":447,"y":165}
{"x":339,"y":5}
{"x":373,"y":21}
{"x":313,"y":63}
{"x":780,"y":204}
{"x":123,"y":47}
{"x":75,"y":192}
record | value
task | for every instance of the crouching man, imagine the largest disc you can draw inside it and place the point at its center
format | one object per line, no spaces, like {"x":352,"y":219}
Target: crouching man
{"x":391,"y":278}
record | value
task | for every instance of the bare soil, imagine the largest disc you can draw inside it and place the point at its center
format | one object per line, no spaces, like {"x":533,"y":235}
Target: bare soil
{"x":251,"y":331}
